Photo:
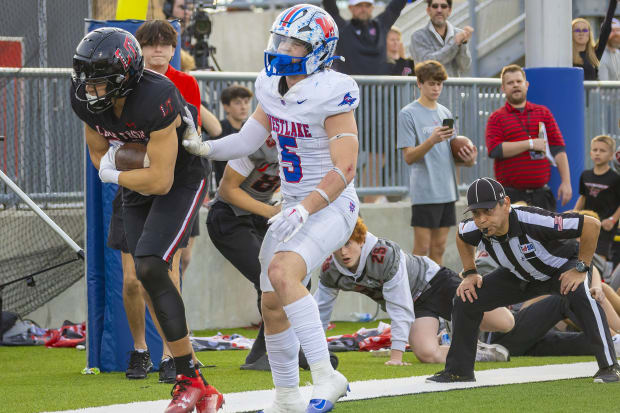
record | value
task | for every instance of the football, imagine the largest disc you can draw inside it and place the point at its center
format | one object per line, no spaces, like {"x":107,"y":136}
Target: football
{"x":131,"y":156}
{"x":457,"y":143}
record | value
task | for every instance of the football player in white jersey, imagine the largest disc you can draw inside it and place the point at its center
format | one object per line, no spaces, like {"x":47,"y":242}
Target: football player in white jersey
{"x":308,"y":110}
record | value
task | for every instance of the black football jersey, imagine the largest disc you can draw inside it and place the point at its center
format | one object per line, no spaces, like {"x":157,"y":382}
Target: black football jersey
{"x":153,"y":105}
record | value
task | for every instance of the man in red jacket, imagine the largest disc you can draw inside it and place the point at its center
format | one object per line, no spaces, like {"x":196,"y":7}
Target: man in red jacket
{"x":522,"y":163}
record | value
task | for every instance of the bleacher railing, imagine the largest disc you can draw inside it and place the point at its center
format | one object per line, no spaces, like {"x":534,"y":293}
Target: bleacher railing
{"x":43,"y":145}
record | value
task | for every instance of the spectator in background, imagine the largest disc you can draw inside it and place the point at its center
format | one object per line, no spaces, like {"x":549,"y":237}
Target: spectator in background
{"x":425,"y":146}
{"x":362,"y":39}
{"x":178,"y":9}
{"x":521,"y":163}
{"x":609,"y":68}
{"x":441,"y":41}
{"x":398,"y":64}
{"x":587,"y":54}
{"x":236,"y":101}
{"x":599,"y":190}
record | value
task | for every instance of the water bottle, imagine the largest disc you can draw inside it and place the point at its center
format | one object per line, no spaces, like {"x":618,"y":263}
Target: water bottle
{"x":361,"y":317}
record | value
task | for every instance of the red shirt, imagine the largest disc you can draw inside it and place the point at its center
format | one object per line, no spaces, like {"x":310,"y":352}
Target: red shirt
{"x":187,"y":85}
{"x":508,"y":124}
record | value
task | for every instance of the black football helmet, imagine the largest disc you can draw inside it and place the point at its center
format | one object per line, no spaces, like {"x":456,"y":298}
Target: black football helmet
{"x":109,"y":55}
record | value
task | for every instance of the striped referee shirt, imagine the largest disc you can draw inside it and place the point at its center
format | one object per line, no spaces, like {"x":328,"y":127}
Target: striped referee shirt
{"x":536,"y":246}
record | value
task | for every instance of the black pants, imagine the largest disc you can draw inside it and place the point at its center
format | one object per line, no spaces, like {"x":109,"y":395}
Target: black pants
{"x":501,"y":288}
{"x":239,"y":239}
{"x":539,"y":197}
{"x":532,"y":334}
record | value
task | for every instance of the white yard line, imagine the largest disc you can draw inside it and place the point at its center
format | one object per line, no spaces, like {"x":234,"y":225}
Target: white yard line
{"x":260,"y":399}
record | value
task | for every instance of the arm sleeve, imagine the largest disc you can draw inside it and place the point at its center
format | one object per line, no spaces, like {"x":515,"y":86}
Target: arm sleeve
{"x":605,"y":29}
{"x":463,"y":58}
{"x":582,"y":186}
{"x":497,"y":152}
{"x":331,"y":7}
{"x":422,"y":49}
{"x":469,"y":232}
{"x":391,"y":13}
{"x":243,"y":143}
{"x":325,"y":298}
{"x":243,"y":166}
{"x":494,"y":135}
{"x":406,"y":136}
{"x":399,"y":306}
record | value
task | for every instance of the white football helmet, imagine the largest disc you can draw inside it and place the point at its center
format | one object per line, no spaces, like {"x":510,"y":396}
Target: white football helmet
{"x":306,"y":25}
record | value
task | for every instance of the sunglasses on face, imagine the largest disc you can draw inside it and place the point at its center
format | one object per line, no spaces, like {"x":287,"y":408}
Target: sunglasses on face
{"x":437,"y":5}
{"x":581,"y":30}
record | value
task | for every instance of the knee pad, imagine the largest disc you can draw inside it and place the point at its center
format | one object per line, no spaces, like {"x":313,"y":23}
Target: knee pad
{"x":167,"y":302}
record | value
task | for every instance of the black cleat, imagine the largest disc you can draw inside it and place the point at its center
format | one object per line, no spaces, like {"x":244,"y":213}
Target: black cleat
{"x":260,"y":364}
{"x":447,"y":377}
{"x":139,"y":365}
{"x":167,"y":371}
{"x":609,"y":374}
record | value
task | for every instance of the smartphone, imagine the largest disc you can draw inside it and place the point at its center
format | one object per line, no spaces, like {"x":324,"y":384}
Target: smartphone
{"x":449,"y":123}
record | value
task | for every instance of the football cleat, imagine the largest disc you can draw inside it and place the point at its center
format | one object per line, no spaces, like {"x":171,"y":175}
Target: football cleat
{"x":447,"y":377}
{"x":186,"y":393}
{"x":211,"y":402}
{"x":326,"y":394}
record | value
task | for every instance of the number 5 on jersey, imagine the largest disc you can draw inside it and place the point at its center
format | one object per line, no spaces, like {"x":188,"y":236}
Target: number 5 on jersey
{"x":291,"y":164}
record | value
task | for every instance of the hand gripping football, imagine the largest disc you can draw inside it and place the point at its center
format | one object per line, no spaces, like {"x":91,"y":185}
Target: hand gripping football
{"x":455,"y":145}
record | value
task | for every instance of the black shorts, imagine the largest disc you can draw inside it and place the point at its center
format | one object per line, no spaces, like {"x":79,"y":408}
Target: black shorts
{"x":116,"y":230}
{"x":605,"y":239}
{"x":159,"y":225}
{"x":195,"y":228}
{"x":538,"y":197}
{"x":238,"y":238}
{"x":437,"y":300}
{"x":433,"y":215}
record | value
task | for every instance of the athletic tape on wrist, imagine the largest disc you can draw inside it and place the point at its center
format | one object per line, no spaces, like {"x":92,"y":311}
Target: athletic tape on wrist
{"x":323,"y":194}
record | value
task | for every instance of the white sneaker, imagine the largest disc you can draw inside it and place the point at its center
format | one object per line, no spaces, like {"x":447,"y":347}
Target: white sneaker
{"x":616,"y":340}
{"x":492,"y":352}
{"x":327,"y":393}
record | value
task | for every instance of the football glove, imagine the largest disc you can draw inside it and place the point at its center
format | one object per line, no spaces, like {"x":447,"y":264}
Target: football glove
{"x":107,"y":165}
{"x":192,"y":141}
{"x":286,"y":223}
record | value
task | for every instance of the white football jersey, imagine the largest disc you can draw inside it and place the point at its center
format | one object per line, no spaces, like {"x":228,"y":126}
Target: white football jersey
{"x":297,"y":125}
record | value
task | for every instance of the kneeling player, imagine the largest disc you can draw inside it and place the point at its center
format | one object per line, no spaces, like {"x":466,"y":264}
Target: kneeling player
{"x":413,"y":290}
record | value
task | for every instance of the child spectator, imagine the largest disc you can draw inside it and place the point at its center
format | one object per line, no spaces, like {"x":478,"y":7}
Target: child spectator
{"x":599,"y":190}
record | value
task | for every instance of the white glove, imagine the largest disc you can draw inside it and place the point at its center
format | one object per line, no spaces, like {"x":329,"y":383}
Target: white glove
{"x":286,"y":223}
{"x":191,"y":139}
{"x":107,"y":165}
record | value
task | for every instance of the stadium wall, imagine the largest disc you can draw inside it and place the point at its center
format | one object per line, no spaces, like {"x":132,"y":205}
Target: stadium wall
{"x":217,"y":296}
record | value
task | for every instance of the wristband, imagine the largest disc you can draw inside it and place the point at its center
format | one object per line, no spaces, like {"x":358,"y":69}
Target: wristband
{"x":469,"y":272}
{"x":531,"y":144}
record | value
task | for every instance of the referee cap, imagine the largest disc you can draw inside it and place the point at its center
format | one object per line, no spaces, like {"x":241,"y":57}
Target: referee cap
{"x":484,"y":193}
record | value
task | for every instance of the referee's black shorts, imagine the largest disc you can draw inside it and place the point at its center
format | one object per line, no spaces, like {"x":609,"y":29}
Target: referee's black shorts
{"x":158,"y":225}
{"x":437,"y":300}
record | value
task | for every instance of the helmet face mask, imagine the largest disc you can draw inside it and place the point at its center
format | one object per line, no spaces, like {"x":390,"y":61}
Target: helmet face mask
{"x":303,"y":41}
{"x":107,"y":64}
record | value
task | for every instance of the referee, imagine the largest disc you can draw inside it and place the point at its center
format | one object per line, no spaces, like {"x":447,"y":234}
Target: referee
{"x":528,"y":244}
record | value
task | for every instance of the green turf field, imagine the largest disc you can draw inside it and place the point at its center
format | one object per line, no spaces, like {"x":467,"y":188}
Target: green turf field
{"x":35,"y":379}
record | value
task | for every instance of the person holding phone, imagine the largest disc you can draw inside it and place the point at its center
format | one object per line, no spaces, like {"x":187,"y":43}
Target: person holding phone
{"x":425,"y":128}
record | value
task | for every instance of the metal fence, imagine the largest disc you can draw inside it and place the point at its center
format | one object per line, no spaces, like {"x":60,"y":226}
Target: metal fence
{"x":43,"y":148}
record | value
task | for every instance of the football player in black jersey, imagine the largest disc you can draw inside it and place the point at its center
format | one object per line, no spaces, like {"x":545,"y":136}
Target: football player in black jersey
{"x":120,"y":102}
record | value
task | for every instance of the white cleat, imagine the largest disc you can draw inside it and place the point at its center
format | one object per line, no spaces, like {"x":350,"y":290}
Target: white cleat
{"x":326,"y":394}
{"x":492,"y":352}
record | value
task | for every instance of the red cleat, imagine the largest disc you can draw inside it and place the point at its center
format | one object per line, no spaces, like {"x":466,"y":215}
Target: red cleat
{"x":212,"y":401}
{"x":185,"y":394}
